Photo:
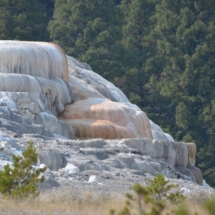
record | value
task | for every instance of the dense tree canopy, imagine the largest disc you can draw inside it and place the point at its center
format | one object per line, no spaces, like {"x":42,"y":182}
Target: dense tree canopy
{"x":90,"y":31}
{"x":49,"y":7}
{"x":23,"y":20}
{"x":185,"y":35}
{"x":139,"y":40}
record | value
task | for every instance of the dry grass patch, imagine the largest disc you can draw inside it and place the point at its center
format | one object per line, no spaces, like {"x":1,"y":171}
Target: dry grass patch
{"x":86,"y":205}
{"x":83,"y":204}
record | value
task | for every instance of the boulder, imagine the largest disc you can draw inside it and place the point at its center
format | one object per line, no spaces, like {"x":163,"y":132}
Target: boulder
{"x":71,"y":168}
{"x":93,"y":179}
{"x":53,"y":159}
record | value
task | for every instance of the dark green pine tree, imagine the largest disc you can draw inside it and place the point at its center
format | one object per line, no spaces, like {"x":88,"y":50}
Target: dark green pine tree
{"x":89,"y":30}
{"x":49,"y":7}
{"x":23,"y":20}
{"x":186,"y":35}
{"x":21,"y":180}
{"x":141,"y":64}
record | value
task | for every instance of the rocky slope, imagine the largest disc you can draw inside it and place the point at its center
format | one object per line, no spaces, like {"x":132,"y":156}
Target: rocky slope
{"x":85,"y":130}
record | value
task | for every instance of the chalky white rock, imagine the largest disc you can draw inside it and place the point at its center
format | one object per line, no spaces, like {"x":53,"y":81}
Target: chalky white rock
{"x":93,"y":179}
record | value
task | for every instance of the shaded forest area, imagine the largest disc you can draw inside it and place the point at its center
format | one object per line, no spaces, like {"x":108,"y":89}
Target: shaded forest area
{"x":160,"y":53}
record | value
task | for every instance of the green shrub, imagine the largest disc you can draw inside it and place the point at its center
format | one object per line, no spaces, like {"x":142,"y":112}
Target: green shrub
{"x":21,"y":180}
{"x":156,"y":196}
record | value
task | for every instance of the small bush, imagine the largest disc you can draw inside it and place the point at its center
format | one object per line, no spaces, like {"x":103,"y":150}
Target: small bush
{"x":154,"y":197}
{"x":21,"y":180}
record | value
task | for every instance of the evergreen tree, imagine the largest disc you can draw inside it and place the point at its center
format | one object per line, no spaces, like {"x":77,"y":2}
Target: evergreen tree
{"x":152,"y":199}
{"x":23,"y":20}
{"x":49,"y":7}
{"x":90,"y":31}
{"x":185,"y":34}
{"x":141,"y":64}
{"x":21,"y":180}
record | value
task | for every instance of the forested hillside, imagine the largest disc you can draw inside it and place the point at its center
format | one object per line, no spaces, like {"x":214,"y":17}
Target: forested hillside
{"x":160,"y":53}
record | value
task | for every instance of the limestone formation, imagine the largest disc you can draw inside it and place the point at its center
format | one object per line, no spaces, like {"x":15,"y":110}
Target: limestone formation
{"x":182,"y":154}
{"x":165,"y":151}
{"x":102,"y":118}
{"x":39,"y":69}
{"x":54,"y":100}
{"x":193,"y":173}
{"x":33,"y":76}
{"x":192,"y":153}
{"x":89,"y":86}
{"x":197,"y":174}
{"x":158,"y":133}
{"x":86,"y":83}
{"x":40,"y":59}
{"x":54,"y":94}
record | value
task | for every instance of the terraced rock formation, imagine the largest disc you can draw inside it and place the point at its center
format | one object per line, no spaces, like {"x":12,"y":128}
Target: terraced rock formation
{"x":81,"y":124}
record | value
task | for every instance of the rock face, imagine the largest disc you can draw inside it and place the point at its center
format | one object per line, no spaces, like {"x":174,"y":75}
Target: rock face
{"x":33,"y":79}
{"x":192,"y":153}
{"x":54,"y":99}
{"x":102,"y":118}
{"x":53,"y":159}
{"x":33,"y":58}
{"x":85,"y":83}
{"x":103,"y":110}
{"x":52,"y":94}
{"x":158,"y":133}
{"x":99,"y":109}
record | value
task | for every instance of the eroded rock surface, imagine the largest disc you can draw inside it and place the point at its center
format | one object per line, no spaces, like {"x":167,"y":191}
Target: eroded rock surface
{"x":95,"y":107}
{"x":69,"y":159}
{"x":52,"y":103}
{"x":102,"y":118}
{"x":39,"y":59}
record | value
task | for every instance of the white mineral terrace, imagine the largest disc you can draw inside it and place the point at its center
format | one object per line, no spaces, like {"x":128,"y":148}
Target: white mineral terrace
{"x":33,"y":58}
{"x":93,"y":106}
